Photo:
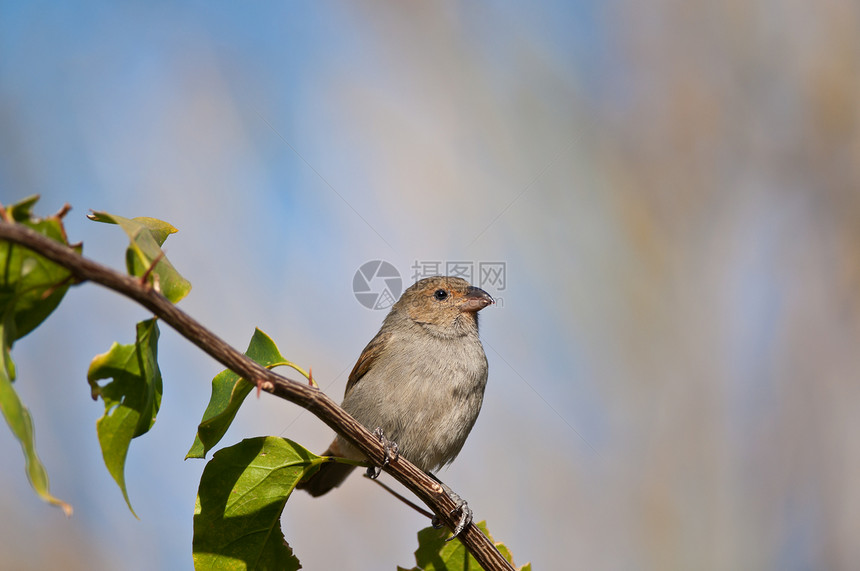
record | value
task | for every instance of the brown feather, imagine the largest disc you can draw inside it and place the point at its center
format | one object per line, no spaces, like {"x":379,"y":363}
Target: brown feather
{"x":368,"y":357}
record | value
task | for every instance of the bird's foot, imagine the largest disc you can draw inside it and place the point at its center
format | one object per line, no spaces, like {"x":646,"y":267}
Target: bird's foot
{"x":391,"y":452}
{"x":461,"y":507}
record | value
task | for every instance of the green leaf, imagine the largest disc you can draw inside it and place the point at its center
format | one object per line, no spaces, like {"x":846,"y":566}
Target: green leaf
{"x":23,"y":210}
{"x":31,"y":287}
{"x":145,"y":256}
{"x":436,"y":554}
{"x":229,"y":391}
{"x":242,"y":493}
{"x":18,"y":418}
{"x":131,"y":399}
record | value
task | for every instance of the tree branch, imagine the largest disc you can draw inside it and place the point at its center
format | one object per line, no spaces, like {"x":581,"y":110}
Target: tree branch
{"x":311,"y":398}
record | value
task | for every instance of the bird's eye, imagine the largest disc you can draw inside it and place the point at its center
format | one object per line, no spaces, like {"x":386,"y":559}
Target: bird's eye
{"x":440,"y":295}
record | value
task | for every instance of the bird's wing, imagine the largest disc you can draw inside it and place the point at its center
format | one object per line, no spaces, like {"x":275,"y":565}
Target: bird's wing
{"x":368,"y":357}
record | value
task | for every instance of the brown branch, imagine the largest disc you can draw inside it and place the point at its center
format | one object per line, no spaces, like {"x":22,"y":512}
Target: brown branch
{"x":311,"y":398}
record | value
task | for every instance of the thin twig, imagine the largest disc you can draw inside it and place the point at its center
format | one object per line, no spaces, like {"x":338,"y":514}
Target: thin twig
{"x":400,"y":497}
{"x":145,"y":277}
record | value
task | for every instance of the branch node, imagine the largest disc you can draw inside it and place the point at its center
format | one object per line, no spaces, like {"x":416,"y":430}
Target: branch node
{"x":63,"y":211}
{"x":263,"y":385}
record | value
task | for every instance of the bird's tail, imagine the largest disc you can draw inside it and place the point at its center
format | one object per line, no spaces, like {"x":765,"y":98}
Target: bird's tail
{"x":329,"y":476}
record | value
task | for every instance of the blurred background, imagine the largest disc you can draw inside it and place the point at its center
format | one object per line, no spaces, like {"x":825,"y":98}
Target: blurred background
{"x":673,"y":187}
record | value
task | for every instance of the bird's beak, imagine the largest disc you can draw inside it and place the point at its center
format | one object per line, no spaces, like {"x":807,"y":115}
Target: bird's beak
{"x":475,"y":300}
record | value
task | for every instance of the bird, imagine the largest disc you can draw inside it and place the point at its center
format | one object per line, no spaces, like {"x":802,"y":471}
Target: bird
{"x":418,"y":384}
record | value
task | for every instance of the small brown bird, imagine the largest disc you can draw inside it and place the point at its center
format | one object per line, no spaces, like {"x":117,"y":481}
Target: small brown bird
{"x":419,"y":383}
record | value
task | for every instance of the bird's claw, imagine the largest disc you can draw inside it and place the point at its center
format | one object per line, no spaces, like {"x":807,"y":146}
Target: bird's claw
{"x":373,"y":472}
{"x":390,"y":452}
{"x":465,"y":515}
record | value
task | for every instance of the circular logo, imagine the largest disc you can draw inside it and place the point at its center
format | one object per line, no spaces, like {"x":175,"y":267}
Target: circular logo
{"x":377,"y":284}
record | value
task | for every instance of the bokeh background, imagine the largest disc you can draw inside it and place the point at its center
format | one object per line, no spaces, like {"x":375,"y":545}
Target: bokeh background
{"x":673,"y":186}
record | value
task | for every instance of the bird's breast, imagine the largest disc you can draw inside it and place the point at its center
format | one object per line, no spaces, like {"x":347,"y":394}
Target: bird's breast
{"x":425,"y":396}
